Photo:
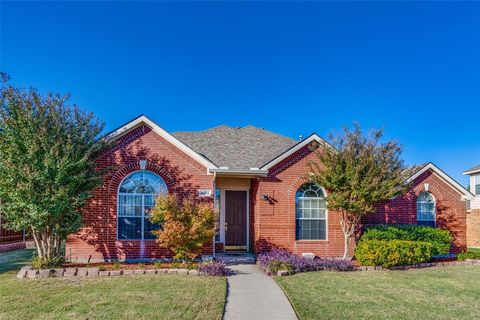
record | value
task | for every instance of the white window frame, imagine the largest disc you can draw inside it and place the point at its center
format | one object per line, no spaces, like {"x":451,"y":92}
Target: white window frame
{"x":143,"y":216}
{"x":434,"y":208}
{"x":476,"y":182}
{"x":326,"y":213}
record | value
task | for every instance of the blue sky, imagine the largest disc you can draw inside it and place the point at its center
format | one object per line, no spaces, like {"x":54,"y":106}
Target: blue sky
{"x":293,"y":68}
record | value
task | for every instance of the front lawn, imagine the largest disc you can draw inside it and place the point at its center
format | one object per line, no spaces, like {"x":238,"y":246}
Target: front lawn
{"x":433,"y":293}
{"x":125,"y":297}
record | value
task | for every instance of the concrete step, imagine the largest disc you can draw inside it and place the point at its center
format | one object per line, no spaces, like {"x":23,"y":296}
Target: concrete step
{"x":236,"y":258}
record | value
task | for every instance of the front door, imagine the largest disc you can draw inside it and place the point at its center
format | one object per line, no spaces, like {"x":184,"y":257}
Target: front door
{"x":235,"y":220}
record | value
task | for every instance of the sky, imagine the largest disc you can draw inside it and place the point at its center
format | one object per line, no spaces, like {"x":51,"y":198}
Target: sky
{"x":412,"y":68}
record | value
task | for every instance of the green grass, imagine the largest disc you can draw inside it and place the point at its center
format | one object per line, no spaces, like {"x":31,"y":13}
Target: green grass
{"x":472,"y":253}
{"x":124,"y":297}
{"x":434,"y":293}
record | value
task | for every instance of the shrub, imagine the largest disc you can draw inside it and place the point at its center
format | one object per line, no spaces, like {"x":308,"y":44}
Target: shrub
{"x":439,"y":238}
{"x":187,"y":225}
{"x":116,"y":265}
{"x":392,"y":253}
{"x":215,"y":268}
{"x":278,"y":259}
{"x":44,"y":263}
{"x":469,"y":254}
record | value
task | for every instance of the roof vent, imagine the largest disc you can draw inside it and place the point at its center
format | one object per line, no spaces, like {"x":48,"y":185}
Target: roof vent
{"x":300,"y":137}
{"x":223,"y":167}
{"x":254,"y":168}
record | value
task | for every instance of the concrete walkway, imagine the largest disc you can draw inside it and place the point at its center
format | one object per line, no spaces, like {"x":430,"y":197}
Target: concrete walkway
{"x":253,"y":295}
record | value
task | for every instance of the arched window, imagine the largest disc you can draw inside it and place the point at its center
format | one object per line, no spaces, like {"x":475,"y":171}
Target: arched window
{"x":311,"y":213}
{"x":426,"y":214}
{"x":136,"y":197}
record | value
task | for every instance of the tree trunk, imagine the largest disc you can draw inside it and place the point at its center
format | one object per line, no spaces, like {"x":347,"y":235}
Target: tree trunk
{"x":47,"y":244}
{"x":348,"y":224}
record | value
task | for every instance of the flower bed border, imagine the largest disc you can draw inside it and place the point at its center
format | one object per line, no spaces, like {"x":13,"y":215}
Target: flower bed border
{"x":467,"y":262}
{"x":30,"y":273}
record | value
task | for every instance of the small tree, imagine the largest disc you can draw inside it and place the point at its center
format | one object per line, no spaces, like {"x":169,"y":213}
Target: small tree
{"x":358,"y":171}
{"x":47,"y":168}
{"x":186,"y":225}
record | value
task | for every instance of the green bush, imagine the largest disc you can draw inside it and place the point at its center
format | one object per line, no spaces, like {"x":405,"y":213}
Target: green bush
{"x":393,"y":252}
{"x":470,"y":254}
{"x":43,"y":263}
{"x":439,"y":238}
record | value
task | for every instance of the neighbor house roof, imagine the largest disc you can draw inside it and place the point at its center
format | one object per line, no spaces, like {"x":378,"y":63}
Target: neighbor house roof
{"x":239,"y":148}
{"x":473,"y":170}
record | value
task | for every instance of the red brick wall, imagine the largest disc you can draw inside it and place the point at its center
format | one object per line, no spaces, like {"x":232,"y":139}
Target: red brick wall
{"x":273,"y":222}
{"x":97,"y":239}
{"x":451,"y":211}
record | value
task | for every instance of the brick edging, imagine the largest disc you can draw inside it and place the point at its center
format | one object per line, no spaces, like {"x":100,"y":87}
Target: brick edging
{"x":29,"y":273}
{"x":467,"y":262}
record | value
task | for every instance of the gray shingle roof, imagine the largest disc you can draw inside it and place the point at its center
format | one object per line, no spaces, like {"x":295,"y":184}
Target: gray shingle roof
{"x":236,"y":148}
{"x":476,"y":168}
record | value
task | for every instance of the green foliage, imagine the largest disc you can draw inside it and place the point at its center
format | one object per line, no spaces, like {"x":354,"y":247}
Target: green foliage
{"x":469,"y":254}
{"x":276,"y":266}
{"x":159,"y":264}
{"x":187,"y":225}
{"x":43,"y":263}
{"x":440,"y":239}
{"x":358,"y":171}
{"x":47,"y":168}
{"x":141,"y":266}
{"x":116,"y":265}
{"x":392,"y":253}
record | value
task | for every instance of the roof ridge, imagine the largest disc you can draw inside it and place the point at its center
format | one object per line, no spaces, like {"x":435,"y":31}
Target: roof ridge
{"x":205,"y":130}
{"x":266,"y":130}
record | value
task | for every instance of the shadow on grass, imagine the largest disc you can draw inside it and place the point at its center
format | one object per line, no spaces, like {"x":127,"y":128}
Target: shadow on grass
{"x":15,"y":260}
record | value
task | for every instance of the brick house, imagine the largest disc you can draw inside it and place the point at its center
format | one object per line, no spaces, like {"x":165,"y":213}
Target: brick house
{"x":473,"y":217}
{"x":258,"y":182}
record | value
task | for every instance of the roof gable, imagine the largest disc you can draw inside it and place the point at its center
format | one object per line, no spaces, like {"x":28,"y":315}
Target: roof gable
{"x":121,"y":131}
{"x":293,"y":149}
{"x":445,"y":177}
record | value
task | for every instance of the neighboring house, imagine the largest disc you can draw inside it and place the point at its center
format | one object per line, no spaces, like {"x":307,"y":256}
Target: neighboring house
{"x":473,"y":217}
{"x":257,"y":179}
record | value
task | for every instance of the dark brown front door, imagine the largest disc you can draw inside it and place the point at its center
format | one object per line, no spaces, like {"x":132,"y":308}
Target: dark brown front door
{"x":236,"y":218}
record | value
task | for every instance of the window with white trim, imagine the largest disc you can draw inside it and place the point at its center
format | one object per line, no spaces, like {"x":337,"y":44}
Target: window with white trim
{"x":477,"y":184}
{"x":136,"y":197}
{"x":426,"y":211}
{"x":311,"y":213}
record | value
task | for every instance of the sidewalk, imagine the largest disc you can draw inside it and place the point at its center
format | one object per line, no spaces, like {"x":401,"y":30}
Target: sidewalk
{"x":251,"y":294}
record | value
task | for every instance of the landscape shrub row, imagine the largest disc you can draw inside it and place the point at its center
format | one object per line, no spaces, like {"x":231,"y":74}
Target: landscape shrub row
{"x":439,"y":239}
{"x":279,"y":259}
{"x":393,"y":252}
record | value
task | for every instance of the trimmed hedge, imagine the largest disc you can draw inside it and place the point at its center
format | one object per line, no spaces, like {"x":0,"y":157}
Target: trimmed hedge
{"x":393,"y":252}
{"x":439,"y":239}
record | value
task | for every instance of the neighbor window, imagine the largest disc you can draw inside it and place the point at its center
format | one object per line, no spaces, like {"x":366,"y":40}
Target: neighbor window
{"x":311,"y":213}
{"x":477,"y":184}
{"x":426,"y":209}
{"x":136,"y":197}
